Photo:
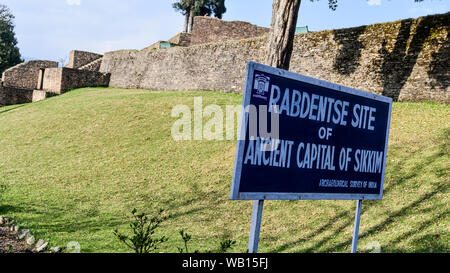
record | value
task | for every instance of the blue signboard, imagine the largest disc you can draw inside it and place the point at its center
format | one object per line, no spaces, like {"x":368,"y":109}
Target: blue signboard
{"x":303,"y":138}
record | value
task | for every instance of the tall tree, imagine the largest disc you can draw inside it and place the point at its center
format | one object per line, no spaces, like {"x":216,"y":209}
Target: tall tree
{"x":281,"y":36}
{"x":282,"y":30}
{"x":9,"y":52}
{"x":184,"y":6}
{"x":217,"y":7}
{"x":192,"y":8}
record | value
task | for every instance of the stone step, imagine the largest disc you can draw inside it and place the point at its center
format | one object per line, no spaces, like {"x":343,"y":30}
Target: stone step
{"x":92,"y":66}
{"x":39,"y":95}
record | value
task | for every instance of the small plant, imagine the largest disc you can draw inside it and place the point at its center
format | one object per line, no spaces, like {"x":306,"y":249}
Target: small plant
{"x":143,"y":239}
{"x":225,"y":245}
{"x":186,"y":238}
{"x":9,"y":248}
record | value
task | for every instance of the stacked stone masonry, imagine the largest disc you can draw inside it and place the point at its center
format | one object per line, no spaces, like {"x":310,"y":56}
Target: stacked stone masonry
{"x":407,"y":60}
{"x":36,"y":80}
{"x":25,"y":75}
{"x":208,"y":30}
{"x":92,"y":66}
{"x":79,"y":58}
{"x":12,"y":95}
{"x":18,"y":82}
{"x":60,"y":80}
{"x":181,"y":39}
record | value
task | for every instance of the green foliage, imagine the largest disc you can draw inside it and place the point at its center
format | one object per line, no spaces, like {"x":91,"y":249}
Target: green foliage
{"x":218,"y":7}
{"x":186,"y":238}
{"x":9,"y":52}
{"x":183,"y":6}
{"x":143,"y":239}
{"x":224,"y":245}
{"x":201,"y":7}
{"x":333,"y":4}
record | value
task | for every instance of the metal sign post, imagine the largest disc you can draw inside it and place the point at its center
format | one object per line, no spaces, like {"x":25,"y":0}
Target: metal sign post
{"x":255,"y":226}
{"x":356,"y":227}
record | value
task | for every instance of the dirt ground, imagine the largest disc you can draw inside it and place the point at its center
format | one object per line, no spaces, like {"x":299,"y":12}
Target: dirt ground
{"x":10,"y":244}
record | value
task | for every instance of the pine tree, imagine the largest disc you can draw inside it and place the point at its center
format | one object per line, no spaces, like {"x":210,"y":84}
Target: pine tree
{"x":9,"y":52}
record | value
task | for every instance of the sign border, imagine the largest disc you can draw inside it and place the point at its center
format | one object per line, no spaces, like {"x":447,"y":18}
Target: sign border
{"x":236,"y":195}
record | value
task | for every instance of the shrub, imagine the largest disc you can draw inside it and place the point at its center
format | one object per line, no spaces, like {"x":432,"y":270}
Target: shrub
{"x":143,"y":239}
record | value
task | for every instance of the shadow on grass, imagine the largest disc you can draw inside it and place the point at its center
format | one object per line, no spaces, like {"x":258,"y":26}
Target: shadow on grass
{"x":54,"y":220}
{"x":10,"y":109}
{"x":6,"y":209}
{"x":314,"y":233}
{"x":398,"y":175}
{"x":404,"y":211}
{"x":197,"y":203}
{"x":425,"y":243}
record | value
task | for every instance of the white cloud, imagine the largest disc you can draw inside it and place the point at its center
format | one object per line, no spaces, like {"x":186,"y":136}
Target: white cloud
{"x":374,"y":2}
{"x":73,"y":2}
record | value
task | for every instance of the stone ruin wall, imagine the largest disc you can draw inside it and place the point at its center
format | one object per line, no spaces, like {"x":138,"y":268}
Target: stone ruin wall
{"x":72,"y":79}
{"x":181,"y":39}
{"x":211,"y":30}
{"x":407,"y":60}
{"x":12,"y":95}
{"x":30,"y":81}
{"x":25,"y":75}
{"x":60,"y":80}
{"x":18,"y":82}
{"x":78,"y":58}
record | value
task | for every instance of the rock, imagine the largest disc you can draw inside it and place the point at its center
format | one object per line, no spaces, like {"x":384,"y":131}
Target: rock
{"x":5,"y":221}
{"x":23,"y":233}
{"x":38,"y":95}
{"x":55,"y":249}
{"x":39,"y":243}
{"x":31,"y":240}
{"x":16,"y":229}
{"x":2,"y":219}
{"x":42,"y":247}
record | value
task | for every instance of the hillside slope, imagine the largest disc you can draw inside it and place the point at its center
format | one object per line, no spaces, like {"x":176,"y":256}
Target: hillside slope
{"x":75,"y":165}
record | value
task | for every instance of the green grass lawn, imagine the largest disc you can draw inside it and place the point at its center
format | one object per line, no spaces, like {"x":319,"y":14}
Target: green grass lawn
{"x":77,"y":164}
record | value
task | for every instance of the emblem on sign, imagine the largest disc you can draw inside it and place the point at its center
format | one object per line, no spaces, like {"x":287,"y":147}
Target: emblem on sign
{"x":261,"y":86}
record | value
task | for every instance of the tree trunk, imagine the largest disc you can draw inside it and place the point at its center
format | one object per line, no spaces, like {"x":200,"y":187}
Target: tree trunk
{"x":191,"y":20}
{"x":186,"y":21}
{"x":282,"y":31}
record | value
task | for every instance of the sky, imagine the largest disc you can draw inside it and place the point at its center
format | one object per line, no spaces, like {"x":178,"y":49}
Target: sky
{"x":49,"y":29}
